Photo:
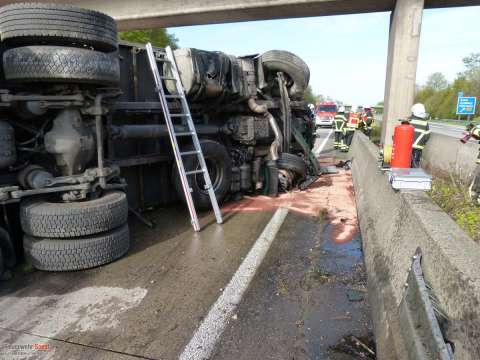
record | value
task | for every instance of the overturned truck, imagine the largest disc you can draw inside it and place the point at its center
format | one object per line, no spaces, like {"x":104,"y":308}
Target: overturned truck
{"x":83,"y":138}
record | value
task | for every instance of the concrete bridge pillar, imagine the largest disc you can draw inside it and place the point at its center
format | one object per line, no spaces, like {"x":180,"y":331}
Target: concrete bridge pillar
{"x":403,"y":46}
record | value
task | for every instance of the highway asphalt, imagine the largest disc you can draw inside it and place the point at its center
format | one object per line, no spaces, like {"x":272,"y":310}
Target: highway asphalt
{"x":455,"y":131}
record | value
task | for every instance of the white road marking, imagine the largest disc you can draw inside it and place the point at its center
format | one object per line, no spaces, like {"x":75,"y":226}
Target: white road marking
{"x":208,"y":333}
{"x":322,"y":145}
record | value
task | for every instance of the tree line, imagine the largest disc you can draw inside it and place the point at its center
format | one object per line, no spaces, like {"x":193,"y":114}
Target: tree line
{"x":158,"y":37}
{"x":440,"y":96}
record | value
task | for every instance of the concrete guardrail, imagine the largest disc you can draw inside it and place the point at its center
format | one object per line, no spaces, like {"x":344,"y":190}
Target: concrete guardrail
{"x":446,"y":154}
{"x":393,"y":225}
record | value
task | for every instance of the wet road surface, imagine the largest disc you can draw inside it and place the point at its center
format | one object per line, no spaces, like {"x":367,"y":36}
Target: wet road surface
{"x":298,"y":307}
{"x":304,"y":297}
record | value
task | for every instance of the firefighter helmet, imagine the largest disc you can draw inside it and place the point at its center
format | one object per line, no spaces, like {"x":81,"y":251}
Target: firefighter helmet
{"x":418,"y":110}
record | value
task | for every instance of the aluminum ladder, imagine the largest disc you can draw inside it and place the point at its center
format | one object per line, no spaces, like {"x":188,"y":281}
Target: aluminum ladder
{"x":171,"y":71}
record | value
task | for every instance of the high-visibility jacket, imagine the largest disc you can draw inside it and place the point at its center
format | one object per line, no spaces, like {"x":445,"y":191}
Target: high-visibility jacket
{"x":352,"y":123}
{"x":369,"y":121}
{"x":422,"y":132}
{"x":339,"y":122}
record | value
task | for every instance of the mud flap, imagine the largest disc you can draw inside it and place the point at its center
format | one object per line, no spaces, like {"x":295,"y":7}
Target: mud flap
{"x":418,"y":322}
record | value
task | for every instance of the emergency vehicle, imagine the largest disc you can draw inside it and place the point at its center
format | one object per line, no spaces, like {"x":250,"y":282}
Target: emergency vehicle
{"x":325,"y":113}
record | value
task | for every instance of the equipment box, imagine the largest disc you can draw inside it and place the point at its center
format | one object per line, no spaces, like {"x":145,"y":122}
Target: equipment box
{"x":410,"y":179}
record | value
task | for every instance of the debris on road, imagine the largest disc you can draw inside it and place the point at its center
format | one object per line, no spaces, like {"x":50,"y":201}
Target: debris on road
{"x":353,"y":295}
{"x":359,"y":348}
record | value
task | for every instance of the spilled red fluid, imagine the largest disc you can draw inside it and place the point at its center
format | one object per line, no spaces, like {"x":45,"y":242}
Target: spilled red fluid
{"x":331,"y":194}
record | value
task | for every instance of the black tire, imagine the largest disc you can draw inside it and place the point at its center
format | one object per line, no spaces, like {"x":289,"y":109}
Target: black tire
{"x":292,"y":65}
{"x":8,"y":153}
{"x":2,"y":264}
{"x":53,"y":24}
{"x":61,"y":64}
{"x":293,"y":163}
{"x":220,"y":170}
{"x":42,"y":218}
{"x":77,"y":253}
{"x":8,"y":250}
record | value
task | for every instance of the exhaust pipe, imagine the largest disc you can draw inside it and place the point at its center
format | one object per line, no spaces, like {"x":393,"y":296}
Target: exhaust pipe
{"x":276,"y":145}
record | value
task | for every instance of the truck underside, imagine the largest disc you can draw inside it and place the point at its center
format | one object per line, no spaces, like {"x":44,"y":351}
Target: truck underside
{"x":84,"y":140}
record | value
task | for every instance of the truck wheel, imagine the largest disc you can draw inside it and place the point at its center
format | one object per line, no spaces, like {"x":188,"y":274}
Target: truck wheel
{"x":43,"y":218}
{"x":2,"y":265}
{"x":292,"y":65}
{"x":76,"y":253}
{"x":219,"y":166}
{"x":293,"y":163}
{"x":53,"y":24}
{"x":7,"y":248}
{"x":61,"y":64}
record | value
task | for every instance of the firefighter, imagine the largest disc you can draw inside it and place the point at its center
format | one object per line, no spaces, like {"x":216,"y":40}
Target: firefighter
{"x":474,"y":131}
{"x":349,"y":129}
{"x":338,"y":125}
{"x":367,"y":121}
{"x":311,"y":107}
{"x":474,"y":189}
{"x":422,"y":132}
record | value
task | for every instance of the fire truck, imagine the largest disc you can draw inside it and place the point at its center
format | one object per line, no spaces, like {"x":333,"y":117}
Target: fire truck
{"x":325,"y":113}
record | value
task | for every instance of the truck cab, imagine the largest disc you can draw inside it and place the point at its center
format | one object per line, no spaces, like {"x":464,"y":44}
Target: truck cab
{"x":325,"y":113}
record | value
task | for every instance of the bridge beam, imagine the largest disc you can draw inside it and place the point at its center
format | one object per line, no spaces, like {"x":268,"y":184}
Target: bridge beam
{"x":138,"y":14}
{"x":403,"y":46}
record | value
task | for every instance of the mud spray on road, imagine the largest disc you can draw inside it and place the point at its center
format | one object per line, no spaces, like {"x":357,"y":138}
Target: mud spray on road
{"x":317,"y":269}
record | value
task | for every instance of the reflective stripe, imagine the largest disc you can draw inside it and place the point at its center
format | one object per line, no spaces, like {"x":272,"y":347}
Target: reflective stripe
{"x":419,"y":122}
{"x":338,"y":124}
{"x":416,"y":144}
{"x":419,"y":125}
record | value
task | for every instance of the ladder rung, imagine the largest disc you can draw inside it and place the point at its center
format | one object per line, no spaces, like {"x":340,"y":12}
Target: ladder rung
{"x":173,"y":96}
{"x":168,"y":78}
{"x":193,"y":172}
{"x":193,"y":152}
{"x":163,"y":60}
{"x":189,"y":133}
{"x":179,"y":115}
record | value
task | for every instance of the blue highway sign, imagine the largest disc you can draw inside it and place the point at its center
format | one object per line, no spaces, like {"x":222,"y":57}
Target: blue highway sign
{"x":466,"y":105}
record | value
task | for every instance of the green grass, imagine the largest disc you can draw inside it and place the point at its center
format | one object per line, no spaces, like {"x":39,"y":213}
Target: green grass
{"x":452,"y":196}
{"x":376,"y":134}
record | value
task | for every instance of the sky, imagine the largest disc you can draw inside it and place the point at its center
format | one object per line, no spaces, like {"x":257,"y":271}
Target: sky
{"x":346,"y":54}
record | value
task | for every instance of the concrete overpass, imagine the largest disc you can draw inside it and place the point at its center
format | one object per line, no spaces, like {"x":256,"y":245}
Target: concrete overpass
{"x":139,"y":14}
{"x":405,"y":28}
